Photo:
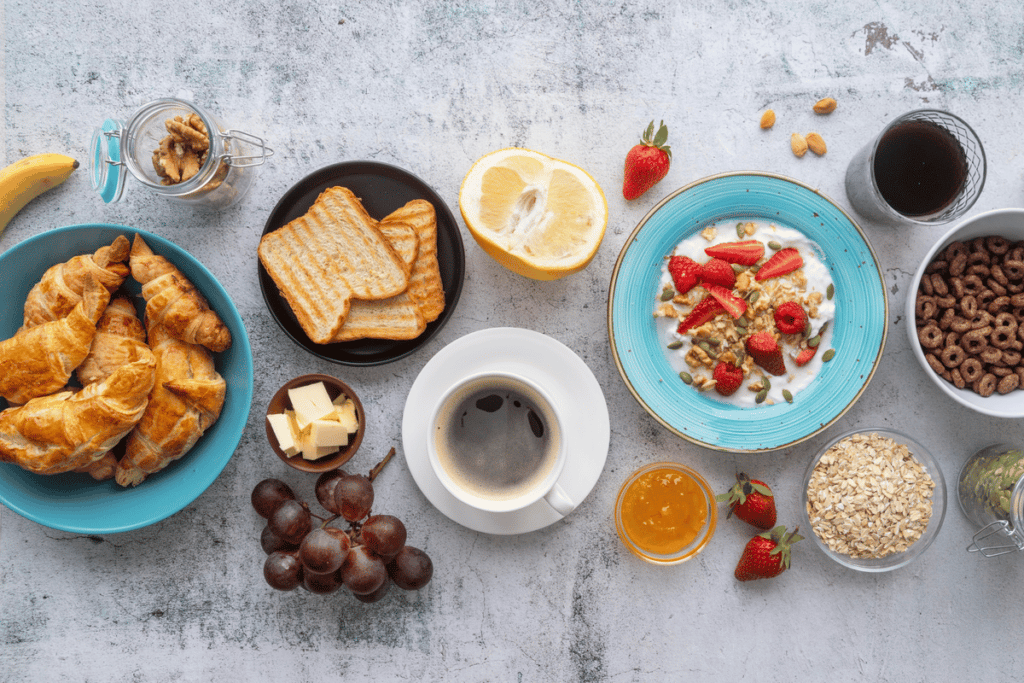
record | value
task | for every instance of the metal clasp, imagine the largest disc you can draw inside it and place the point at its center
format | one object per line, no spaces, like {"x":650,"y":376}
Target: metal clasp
{"x":997,"y":528}
{"x":113,"y":134}
{"x":246,"y":160}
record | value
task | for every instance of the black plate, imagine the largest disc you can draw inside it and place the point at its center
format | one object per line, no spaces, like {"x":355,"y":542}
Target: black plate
{"x":382,"y":189}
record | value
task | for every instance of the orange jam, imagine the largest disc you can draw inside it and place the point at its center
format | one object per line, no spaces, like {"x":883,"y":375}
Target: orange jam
{"x":663,"y":510}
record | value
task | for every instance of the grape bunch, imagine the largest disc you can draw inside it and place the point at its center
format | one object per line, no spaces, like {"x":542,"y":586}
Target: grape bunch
{"x":366,"y":558}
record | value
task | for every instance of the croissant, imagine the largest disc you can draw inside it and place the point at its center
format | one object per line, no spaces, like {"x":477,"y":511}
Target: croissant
{"x":71,"y":430}
{"x":120,"y":339}
{"x":62,"y":285}
{"x":186,"y":399}
{"x":39,"y":360}
{"x":101,"y":469}
{"x":174,"y":301}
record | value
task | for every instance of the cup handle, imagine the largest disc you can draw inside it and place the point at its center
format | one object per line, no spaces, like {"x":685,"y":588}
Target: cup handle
{"x":559,"y":500}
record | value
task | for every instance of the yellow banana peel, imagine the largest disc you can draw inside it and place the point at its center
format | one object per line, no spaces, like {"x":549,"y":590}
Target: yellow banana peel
{"x":24,"y":180}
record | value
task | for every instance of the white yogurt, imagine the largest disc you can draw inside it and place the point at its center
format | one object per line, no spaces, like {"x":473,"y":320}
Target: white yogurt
{"x":817,"y":278}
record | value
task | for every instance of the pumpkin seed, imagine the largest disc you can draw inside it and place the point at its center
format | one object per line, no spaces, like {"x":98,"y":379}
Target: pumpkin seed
{"x":740,"y":232}
{"x":814,"y":341}
{"x":737,"y":268}
{"x":774,"y":245}
{"x":667,"y":294}
{"x":675,"y":345}
{"x":706,"y":348}
{"x":830,"y":292}
{"x":824,"y":326}
{"x":753,"y":297}
{"x":786,"y":394}
{"x":767,"y":384}
{"x":828,"y":355}
{"x":686,"y":377}
{"x":761,"y":396}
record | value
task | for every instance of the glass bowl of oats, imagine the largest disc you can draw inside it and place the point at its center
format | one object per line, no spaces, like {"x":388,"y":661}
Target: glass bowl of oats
{"x":874,"y":499}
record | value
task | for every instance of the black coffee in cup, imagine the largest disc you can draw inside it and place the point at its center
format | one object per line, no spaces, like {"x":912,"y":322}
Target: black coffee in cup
{"x":919,"y":168}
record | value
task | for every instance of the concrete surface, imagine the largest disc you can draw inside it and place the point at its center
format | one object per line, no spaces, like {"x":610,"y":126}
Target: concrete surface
{"x":430,"y":87}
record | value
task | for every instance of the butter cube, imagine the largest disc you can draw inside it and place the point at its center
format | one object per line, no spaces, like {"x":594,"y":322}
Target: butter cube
{"x":314,"y":452}
{"x":328,"y":433}
{"x":284,"y":430}
{"x":345,"y":413}
{"x":310,"y":402}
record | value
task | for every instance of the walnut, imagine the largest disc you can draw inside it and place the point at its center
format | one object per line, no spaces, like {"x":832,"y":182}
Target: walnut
{"x":183,"y":151}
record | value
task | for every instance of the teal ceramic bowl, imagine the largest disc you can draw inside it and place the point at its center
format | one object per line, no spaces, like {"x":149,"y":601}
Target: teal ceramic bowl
{"x":75,"y":502}
{"x":858,"y":330}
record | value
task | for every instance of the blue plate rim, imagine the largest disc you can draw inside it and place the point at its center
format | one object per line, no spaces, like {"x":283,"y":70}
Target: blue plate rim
{"x":841,"y":215}
{"x":239,"y":336}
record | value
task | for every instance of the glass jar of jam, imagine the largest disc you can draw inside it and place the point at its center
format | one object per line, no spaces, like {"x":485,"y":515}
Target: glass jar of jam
{"x":178,"y":150}
{"x":991,"y":493}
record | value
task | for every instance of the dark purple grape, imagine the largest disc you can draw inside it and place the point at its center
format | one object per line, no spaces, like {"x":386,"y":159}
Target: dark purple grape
{"x":321,"y":584}
{"x":325,"y":489}
{"x":384,"y":535}
{"x":410,"y":569}
{"x":290,"y":521}
{"x":375,"y":595}
{"x":271,"y":542}
{"x":363,"y":572}
{"x":353,"y":496}
{"x":267,"y":494}
{"x":323,"y":550}
{"x":282,"y":570}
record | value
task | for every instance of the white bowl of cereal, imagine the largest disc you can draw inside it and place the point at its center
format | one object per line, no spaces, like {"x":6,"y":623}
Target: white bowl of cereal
{"x":967,"y":303}
{"x":874,"y":500}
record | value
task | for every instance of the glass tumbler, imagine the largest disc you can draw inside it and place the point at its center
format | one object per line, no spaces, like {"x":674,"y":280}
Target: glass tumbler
{"x":925,"y":167}
{"x":165,"y":136}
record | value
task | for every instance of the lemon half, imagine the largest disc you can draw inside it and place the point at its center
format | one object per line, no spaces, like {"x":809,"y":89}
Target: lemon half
{"x":540,"y":217}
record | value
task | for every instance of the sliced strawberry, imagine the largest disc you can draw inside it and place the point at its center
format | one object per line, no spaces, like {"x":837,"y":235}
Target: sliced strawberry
{"x":790,"y":318}
{"x":705,"y":310}
{"x":805,"y":355}
{"x":765,"y":351}
{"x":730,"y":302}
{"x":745,"y":253}
{"x":718,"y":272}
{"x":782,"y":262}
{"x":685,"y":273}
{"x":728,"y":378}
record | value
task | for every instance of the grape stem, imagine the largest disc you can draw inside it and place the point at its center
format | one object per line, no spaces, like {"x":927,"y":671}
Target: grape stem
{"x":380,"y":466}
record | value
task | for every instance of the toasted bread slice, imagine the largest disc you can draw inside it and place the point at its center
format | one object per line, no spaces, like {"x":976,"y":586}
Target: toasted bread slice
{"x":425,"y":286}
{"x":397,"y":317}
{"x":323,"y":259}
{"x":403,"y":239}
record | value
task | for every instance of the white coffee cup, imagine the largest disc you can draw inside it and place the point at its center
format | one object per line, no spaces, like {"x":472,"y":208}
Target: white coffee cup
{"x":496,"y":443}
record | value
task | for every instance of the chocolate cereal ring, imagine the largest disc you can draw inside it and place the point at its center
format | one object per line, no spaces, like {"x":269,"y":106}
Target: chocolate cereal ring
{"x":985,"y":297}
{"x":1014,"y":269}
{"x":955,"y":249}
{"x":938,"y":266}
{"x":958,"y":379}
{"x":972,"y":285}
{"x":997,"y":245}
{"x":1000,"y":303}
{"x":952,"y":356}
{"x":1011,"y":357}
{"x":1017,"y":300}
{"x":935,"y":363}
{"x":930,"y":336}
{"x":986,"y":386}
{"x":969,"y":306}
{"x":978,"y":246}
{"x":996,"y":287}
{"x":975,"y":340}
{"x":1000,"y":371}
{"x":938,"y":284}
{"x":960,"y":325}
{"x":1008,"y":383}
{"x":925,"y":307}
{"x":947,"y":319}
{"x":951,"y":339}
{"x":971,"y":370}
{"x":990,"y":355}
{"x":925,"y":287}
{"x":979,"y":269}
{"x":958,"y":265}
{"x":998,"y":275}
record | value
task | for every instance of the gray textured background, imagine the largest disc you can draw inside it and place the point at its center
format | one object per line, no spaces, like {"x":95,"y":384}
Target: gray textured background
{"x":431,"y":86}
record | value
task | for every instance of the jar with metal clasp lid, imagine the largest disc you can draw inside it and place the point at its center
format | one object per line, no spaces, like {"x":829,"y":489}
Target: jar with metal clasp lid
{"x":991,"y":492}
{"x":178,"y":150}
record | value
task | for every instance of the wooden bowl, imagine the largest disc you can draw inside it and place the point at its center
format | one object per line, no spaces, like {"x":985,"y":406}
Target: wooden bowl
{"x":335,"y":387}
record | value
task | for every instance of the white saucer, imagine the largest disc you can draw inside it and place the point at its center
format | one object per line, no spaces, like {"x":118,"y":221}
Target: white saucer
{"x":536,"y":356}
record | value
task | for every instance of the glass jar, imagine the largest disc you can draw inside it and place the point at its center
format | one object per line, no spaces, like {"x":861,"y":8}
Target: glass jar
{"x":991,"y":492}
{"x":202,"y":163}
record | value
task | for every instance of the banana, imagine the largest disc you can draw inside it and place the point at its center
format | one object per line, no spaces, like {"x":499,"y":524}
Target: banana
{"x":24,"y":180}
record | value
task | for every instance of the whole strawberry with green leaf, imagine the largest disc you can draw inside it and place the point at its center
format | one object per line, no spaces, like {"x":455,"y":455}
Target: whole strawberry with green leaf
{"x":766,"y":555}
{"x":647,"y":162}
{"x":750,"y":500}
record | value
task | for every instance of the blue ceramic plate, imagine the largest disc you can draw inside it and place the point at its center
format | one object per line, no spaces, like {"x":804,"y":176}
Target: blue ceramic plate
{"x":858,"y":332}
{"x":75,"y":502}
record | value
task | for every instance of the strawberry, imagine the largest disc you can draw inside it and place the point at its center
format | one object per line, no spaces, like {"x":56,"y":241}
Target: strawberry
{"x":766,"y":555}
{"x":765,"y":351}
{"x":751,"y":500}
{"x":790,"y":318}
{"x":705,"y":310}
{"x":745,"y":253}
{"x":718,"y":272}
{"x":805,"y":356}
{"x":647,"y":162}
{"x":730,"y":302}
{"x":728,"y":378}
{"x":782,"y":262}
{"x":685,"y":273}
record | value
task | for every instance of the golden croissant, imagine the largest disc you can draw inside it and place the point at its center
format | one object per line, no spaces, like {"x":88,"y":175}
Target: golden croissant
{"x":186,"y":399}
{"x":39,"y":360}
{"x":72,"y":430}
{"x":120,"y":339}
{"x":172,"y":300}
{"x":62,"y":285}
